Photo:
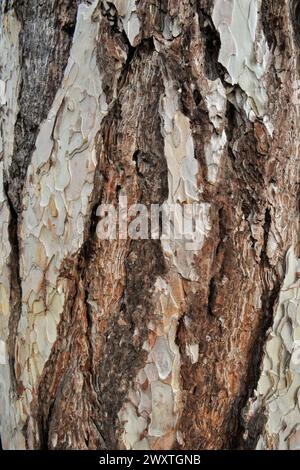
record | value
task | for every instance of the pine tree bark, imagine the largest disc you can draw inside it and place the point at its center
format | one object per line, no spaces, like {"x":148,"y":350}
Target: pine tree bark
{"x":142,"y":344}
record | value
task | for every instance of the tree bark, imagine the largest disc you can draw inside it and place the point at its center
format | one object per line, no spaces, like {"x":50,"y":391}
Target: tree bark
{"x":144,"y":344}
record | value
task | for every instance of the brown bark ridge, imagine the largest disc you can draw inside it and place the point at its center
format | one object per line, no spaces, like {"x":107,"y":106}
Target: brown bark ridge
{"x":146,"y":344}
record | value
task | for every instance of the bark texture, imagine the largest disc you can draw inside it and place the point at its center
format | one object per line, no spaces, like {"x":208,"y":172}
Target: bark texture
{"x":142,"y":344}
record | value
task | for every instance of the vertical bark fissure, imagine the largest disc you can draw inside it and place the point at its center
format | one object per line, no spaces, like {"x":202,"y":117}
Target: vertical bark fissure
{"x":249,"y":174}
{"x":44,"y":44}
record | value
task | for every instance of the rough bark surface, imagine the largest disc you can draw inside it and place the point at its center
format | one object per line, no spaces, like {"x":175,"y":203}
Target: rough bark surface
{"x":142,"y":344}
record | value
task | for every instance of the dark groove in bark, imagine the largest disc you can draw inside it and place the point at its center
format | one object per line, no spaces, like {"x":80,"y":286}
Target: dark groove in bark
{"x":15,"y":290}
{"x":119,"y":367}
{"x":35,"y":98}
{"x":44,"y":43}
{"x":254,"y":426}
{"x":211,"y":297}
{"x":107,"y":358}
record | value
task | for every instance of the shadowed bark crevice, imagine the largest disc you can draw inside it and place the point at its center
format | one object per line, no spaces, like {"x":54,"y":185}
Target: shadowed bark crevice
{"x":112,"y":347}
{"x":44,"y":48}
{"x":44,"y":44}
{"x":15,"y":291}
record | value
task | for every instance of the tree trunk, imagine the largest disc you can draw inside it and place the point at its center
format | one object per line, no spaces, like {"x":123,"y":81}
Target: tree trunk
{"x":146,"y":343}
